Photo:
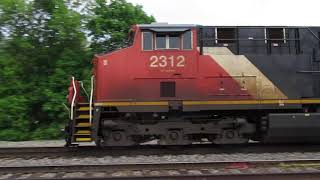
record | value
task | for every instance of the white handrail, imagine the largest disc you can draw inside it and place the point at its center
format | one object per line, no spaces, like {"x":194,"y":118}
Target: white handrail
{"x":73,"y":99}
{"x":91,"y":98}
{"x":84,"y":89}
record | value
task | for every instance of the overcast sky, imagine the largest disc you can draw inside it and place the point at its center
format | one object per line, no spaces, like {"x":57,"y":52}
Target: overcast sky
{"x":234,"y":12}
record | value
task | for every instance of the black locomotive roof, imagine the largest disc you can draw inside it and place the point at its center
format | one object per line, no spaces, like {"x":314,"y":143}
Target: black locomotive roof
{"x":164,"y":27}
{"x":189,"y":26}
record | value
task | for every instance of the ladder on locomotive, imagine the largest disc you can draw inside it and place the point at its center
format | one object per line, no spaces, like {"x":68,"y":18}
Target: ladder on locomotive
{"x":82,"y":131}
{"x":81,"y":117}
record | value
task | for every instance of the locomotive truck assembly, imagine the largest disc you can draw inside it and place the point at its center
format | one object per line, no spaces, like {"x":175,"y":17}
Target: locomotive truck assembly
{"x":181,"y":84}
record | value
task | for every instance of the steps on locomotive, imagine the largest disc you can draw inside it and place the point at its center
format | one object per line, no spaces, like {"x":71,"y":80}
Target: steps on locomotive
{"x":82,"y":126}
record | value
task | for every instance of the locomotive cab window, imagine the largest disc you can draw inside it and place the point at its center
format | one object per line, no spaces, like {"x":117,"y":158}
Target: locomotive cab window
{"x":167,"y":40}
{"x":275,"y":35}
{"x":187,"y":40}
{"x":174,"y":41}
{"x":161,"y":41}
{"x":225,"y":35}
{"x":147,"y":41}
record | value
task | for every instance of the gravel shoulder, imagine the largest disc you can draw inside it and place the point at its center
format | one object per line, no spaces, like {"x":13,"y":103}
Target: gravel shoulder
{"x":24,"y":144}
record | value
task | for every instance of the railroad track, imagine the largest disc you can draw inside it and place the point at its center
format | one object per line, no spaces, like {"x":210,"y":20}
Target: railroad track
{"x":154,"y":162}
{"x":53,"y":152}
{"x":259,"y":169}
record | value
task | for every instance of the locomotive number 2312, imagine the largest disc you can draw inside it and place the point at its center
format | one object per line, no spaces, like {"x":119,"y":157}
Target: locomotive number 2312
{"x":164,"y":61}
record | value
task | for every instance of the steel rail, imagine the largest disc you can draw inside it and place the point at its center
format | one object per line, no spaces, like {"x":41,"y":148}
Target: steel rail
{"x":109,"y":168}
{"x":27,"y":152}
{"x":279,"y":176}
{"x":159,"y":166}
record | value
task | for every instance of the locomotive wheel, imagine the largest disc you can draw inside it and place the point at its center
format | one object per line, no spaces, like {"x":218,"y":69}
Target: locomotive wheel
{"x":174,"y":137}
{"x":230,"y":136}
{"x":117,"y":138}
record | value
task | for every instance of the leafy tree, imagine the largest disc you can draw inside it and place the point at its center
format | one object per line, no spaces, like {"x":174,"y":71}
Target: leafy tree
{"x":43,"y":43}
{"x":13,"y":102}
{"x":110,"y":25}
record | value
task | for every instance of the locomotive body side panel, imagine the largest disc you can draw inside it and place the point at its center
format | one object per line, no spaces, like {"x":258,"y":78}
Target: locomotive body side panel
{"x":229,"y":70}
{"x":132,"y":74}
{"x":288,"y":64}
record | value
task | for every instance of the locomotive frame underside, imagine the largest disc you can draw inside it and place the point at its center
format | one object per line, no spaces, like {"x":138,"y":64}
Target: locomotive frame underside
{"x":178,"y":127}
{"x":285,"y":62}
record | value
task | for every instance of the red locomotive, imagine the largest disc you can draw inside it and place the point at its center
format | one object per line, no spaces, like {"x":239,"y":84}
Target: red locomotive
{"x":181,"y":84}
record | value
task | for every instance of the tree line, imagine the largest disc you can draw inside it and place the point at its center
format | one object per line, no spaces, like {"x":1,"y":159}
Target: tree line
{"x":42,"y":44}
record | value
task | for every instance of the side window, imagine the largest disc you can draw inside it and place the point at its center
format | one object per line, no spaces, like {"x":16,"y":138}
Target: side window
{"x":147,"y":41}
{"x":169,"y":40}
{"x":161,"y":41}
{"x":276,"y":35}
{"x":187,"y":40}
{"x":174,"y":41}
{"x":226,"y":35}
